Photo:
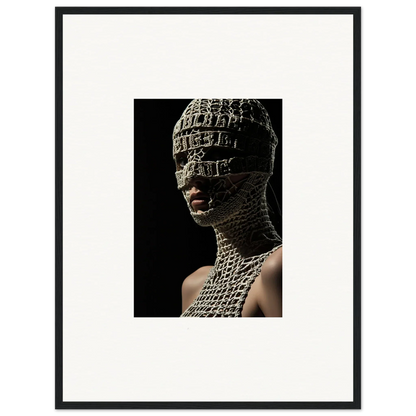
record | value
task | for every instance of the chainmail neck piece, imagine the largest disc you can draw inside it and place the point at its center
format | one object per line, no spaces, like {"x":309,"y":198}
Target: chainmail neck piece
{"x":244,"y":233}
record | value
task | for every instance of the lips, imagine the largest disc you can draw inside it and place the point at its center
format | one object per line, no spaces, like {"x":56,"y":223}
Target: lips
{"x":199,"y":200}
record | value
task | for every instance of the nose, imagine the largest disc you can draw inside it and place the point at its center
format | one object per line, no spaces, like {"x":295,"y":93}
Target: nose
{"x":199,"y":182}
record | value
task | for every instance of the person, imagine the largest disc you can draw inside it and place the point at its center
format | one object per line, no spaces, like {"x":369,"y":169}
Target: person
{"x":224,"y":155}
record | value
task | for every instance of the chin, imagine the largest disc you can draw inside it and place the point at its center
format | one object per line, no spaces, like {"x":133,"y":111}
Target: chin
{"x":217,"y":215}
{"x":202,"y":218}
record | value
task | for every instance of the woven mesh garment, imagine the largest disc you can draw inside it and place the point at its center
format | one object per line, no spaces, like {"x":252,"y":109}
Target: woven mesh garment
{"x":227,"y":147}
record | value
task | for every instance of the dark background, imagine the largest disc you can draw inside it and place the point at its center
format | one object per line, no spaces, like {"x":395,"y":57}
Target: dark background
{"x":168,"y":244}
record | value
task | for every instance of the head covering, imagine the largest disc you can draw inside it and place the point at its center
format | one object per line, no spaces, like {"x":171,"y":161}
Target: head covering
{"x":242,"y":126}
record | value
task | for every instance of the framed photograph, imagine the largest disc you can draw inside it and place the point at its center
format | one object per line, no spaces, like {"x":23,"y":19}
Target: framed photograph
{"x":208,"y":165}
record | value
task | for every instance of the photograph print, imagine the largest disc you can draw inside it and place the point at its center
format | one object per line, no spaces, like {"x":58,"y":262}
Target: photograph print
{"x":208,"y":197}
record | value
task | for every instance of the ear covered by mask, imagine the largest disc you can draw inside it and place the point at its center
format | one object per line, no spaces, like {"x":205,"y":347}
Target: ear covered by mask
{"x":216,"y":139}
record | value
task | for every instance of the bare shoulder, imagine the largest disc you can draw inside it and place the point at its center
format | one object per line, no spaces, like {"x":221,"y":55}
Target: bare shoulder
{"x":192,"y":285}
{"x":196,"y":279}
{"x":269,"y":292}
{"x":271,"y":271}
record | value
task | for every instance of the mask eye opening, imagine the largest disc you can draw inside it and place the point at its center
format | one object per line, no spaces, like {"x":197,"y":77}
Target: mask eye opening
{"x":181,"y":160}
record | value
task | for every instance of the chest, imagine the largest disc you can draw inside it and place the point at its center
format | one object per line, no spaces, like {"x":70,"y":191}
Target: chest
{"x":229,"y":290}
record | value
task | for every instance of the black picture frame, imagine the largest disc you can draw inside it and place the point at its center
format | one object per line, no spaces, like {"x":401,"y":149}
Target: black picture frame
{"x":60,"y":402}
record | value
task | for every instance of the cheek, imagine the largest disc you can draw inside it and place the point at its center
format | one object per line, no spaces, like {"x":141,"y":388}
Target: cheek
{"x":236,"y":181}
{"x":238,"y":178}
{"x":186,"y":194}
{"x":228,"y":185}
